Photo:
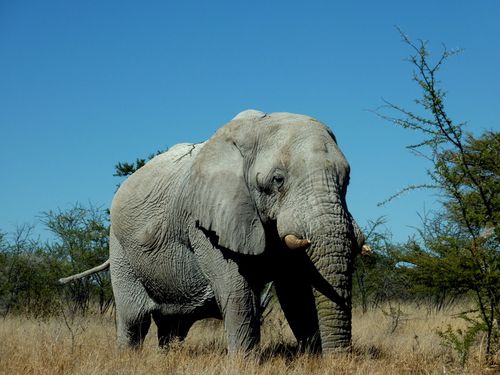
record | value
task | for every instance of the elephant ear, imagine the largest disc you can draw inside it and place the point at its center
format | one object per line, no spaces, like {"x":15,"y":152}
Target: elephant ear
{"x":221,"y":200}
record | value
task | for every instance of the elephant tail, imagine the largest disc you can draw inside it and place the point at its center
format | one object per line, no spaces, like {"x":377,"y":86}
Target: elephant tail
{"x":91,"y":271}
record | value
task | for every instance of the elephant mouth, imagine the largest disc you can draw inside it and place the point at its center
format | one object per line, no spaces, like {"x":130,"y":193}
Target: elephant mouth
{"x":292,"y":242}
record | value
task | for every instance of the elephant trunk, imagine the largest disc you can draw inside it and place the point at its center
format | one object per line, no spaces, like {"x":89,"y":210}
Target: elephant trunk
{"x":331,"y":245}
{"x":334,"y":238}
{"x":331,"y":256}
{"x":333,"y":304}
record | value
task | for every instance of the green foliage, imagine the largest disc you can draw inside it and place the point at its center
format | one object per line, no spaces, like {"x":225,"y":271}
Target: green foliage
{"x":461,"y":341}
{"x":470,"y":174}
{"x":458,"y":251}
{"x":378,"y":278}
{"x":28,"y":274}
{"x":82,"y":242}
{"x":29,"y":269}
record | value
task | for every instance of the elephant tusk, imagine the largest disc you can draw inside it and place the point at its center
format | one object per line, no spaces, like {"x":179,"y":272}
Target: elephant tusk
{"x":294,"y":243}
{"x":366,"y":250}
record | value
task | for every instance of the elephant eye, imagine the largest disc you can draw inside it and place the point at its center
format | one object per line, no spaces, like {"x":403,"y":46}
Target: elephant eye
{"x":272,"y":183}
{"x":278,"y":181}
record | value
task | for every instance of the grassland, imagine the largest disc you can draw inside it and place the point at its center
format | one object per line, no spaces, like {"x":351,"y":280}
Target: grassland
{"x":381,"y":345}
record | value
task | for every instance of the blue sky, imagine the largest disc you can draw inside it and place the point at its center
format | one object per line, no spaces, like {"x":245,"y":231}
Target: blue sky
{"x":86,"y":84}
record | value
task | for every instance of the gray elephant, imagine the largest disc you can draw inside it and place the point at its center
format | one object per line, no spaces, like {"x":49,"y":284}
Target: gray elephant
{"x":199,"y":230}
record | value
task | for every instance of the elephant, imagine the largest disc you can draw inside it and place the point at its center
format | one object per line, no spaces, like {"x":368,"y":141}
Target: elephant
{"x":199,"y":230}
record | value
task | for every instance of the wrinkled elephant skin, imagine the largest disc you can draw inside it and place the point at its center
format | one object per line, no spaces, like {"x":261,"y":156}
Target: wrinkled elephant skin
{"x":200,"y":229}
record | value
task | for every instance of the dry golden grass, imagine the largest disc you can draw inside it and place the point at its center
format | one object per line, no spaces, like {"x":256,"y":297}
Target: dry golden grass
{"x":87,"y":346}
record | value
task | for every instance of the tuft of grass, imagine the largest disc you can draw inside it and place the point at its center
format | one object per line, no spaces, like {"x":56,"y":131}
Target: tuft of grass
{"x":87,"y":346}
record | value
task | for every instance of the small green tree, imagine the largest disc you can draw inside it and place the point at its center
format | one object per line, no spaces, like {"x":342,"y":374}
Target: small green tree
{"x":82,"y":241}
{"x":377,"y":278}
{"x":28,"y":275}
{"x":458,"y":250}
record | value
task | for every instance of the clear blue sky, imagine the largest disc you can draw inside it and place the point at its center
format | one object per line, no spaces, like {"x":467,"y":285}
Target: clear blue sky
{"x":85,"y":84}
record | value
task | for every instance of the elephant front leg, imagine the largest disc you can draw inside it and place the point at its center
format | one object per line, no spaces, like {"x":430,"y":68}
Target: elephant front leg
{"x":236,"y":296}
{"x":239,"y":305}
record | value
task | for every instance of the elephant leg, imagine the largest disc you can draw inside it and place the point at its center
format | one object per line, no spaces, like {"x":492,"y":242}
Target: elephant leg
{"x":171,"y":327}
{"x":131,"y":331}
{"x":237,"y":299}
{"x":241,"y":315}
{"x":133,"y":305}
{"x":238,"y":302}
{"x":297,"y":301}
{"x":239,"y":305}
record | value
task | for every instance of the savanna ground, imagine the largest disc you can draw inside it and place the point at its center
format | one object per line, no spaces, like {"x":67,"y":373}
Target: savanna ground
{"x":383,"y":343}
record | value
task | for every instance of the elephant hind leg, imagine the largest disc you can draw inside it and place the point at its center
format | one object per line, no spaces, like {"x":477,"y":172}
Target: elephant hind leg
{"x":133,"y":306}
{"x":132,"y":331}
{"x":171,"y":327}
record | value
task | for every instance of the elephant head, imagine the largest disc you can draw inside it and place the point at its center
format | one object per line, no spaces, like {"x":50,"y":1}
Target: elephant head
{"x":283,"y":172}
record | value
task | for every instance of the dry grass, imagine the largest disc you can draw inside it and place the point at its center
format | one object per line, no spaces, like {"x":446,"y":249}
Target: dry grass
{"x":87,"y":346}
